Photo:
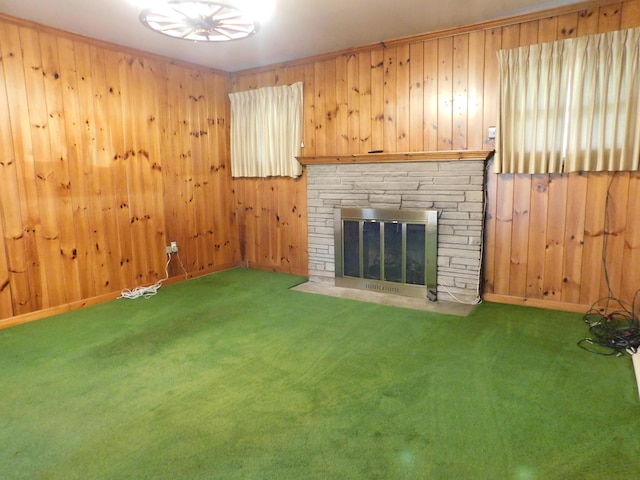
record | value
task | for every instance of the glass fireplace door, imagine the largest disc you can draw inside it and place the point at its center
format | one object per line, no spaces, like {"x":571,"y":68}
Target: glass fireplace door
{"x":387,"y":250}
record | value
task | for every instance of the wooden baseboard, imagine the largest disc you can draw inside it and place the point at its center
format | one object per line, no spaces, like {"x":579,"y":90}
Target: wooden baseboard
{"x":531,"y":302}
{"x":68,"y":307}
{"x":280,"y":269}
{"x":50,"y":312}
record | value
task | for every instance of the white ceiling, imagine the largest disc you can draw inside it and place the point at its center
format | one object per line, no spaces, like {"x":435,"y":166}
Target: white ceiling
{"x":298,"y":28}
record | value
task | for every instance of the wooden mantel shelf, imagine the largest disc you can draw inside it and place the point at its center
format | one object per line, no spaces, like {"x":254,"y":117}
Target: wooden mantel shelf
{"x":441,"y":156}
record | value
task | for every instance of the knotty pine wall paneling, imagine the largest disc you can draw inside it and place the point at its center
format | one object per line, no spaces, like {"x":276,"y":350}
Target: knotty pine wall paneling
{"x":544,"y":234}
{"x":271,"y":212}
{"x":106,"y":156}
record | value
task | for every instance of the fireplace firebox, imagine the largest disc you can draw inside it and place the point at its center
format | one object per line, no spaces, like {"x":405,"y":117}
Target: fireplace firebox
{"x":391,"y":251}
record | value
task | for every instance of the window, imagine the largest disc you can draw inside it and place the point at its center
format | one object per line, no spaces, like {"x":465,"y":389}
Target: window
{"x":570,"y":105}
{"x":266,"y":131}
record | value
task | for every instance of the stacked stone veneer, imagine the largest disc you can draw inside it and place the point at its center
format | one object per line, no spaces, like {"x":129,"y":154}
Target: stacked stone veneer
{"x":454,"y":188}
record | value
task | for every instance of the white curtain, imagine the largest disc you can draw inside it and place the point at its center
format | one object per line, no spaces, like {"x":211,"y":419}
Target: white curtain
{"x":571,"y":105}
{"x":266,"y":131}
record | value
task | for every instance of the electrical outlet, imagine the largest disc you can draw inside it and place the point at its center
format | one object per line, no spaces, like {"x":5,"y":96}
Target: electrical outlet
{"x":174,"y":247}
{"x":492,"y":133}
{"x":168,"y":249}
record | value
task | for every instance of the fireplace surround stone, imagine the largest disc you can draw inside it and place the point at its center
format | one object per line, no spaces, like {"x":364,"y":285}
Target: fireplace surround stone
{"x":454,"y":188}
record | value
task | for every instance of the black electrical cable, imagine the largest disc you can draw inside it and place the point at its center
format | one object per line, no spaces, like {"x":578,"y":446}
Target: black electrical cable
{"x":614,"y":331}
{"x":607,"y":232}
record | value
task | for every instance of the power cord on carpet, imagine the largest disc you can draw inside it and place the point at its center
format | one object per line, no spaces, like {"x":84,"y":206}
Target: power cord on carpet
{"x":614,"y":331}
{"x":478,"y":298}
{"x":149,"y":291}
{"x":476,"y":301}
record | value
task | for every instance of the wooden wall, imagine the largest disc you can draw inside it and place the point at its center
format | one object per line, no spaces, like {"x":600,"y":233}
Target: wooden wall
{"x":438,"y":92}
{"x":106,"y":156}
{"x":547,"y":235}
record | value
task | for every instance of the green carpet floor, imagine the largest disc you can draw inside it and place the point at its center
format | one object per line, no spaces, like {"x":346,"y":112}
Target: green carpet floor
{"x":234,"y":376}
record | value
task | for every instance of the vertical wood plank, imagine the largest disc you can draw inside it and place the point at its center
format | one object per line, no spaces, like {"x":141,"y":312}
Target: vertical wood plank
{"x":492,"y":43}
{"x":567,"y":26}
{"x":445,"y":93}
{"x":475,"y":89}
{"x":390,"y":100}
{"x":320,"y":109}
{"x":520,"y":235}
{"x":574,"y":237}
{"x":537,"y":235}
{"x":14,"y":272}
{"x":342,"y":106}
{"x":267,"y":78}
{"x":609,"y":17}
{"x":153,"y":125}
{"x":403,"y":101}
{"x":353,"y":84}
{"x":364,"y":87}
{"x":548,"y":29}
{"x":6,"y":307}
{"x":130,"y":71}
{"x":587,"y":21}
{"x":460,"y":92}
{"x":309,"y":103}
{"x":555,"y":241}
{"x":120,"y":200}
{"x":199,"y":136}
{"x":103,"y":172}
{"x":631,"y":254}
{"x":331,"y":106}
{"x":615,"y":227}
{"x":60,"y":165}
{"x":172,"y":164}
{"x":597,"y":186}
{"x":630,"y":16}
{"x":91,"y":172}
{"x":271,"y":220}
{"x":431,"y":99}
{"x":212,"y":230}
{"x":490,"y":223}
{"x":175,"y":171}
{"x":377,"y":99}
{"x":48,"y":233}
{"x":503,"y":229}
{"x":416,"y":97}
{"x":529,"y":33}
{"x":74,"y":139}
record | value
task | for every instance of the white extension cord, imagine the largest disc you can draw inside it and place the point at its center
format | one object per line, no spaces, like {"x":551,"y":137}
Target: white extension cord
{"x":151,"y":290}
{"x":478,"y":298}
{"x":476,"y":301}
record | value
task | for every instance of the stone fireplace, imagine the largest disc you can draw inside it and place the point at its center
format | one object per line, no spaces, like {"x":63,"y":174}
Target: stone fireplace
{"x":450,"y":183}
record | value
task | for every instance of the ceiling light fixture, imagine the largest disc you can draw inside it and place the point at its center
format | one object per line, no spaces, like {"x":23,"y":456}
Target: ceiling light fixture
{"x":201,"y":20}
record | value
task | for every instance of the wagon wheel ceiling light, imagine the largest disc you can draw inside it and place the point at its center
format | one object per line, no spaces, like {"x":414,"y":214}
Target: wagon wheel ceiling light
{"x":204,"y":20}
